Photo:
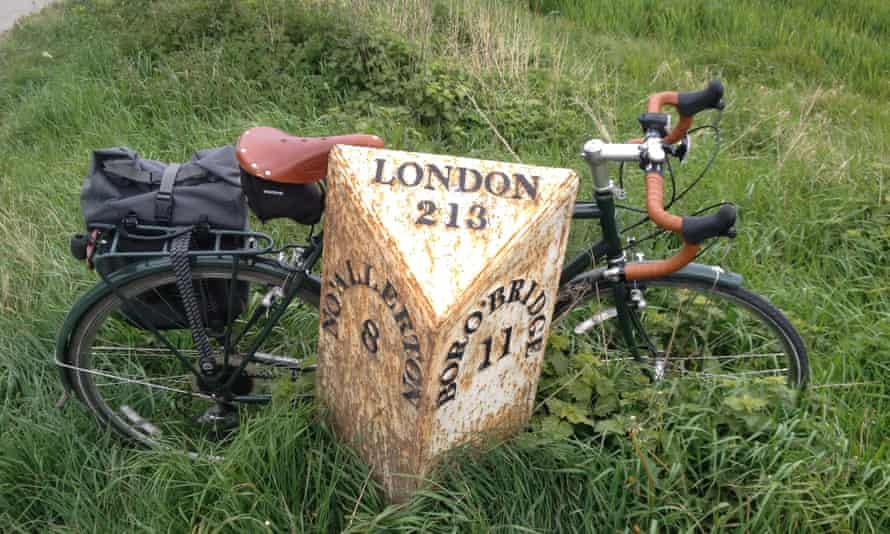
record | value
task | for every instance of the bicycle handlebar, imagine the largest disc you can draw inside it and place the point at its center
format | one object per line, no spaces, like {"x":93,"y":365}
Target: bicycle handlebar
{"x":693,"y":230}
{"x":687,"y":104}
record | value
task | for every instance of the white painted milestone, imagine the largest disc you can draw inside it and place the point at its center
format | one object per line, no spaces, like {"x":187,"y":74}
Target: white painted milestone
{"x":439,"y":277}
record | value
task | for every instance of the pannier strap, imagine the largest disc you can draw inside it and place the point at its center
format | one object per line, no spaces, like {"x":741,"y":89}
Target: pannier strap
{"x":164,"y":196}
{"x":179,"y":257}
{"x":125,"y":169}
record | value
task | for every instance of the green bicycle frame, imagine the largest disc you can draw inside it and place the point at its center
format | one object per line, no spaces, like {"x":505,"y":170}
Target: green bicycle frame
{"x":307,"y":285}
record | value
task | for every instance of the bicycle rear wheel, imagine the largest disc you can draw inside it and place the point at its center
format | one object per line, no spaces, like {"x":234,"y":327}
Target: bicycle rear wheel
{"x":148,"y":390}
{"x":687,"y":330}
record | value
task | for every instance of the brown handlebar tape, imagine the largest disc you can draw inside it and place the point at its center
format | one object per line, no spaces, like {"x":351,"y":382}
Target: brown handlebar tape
{"x":670,"y":98}
{"x":682,"y":127}
{"x":674,"y":223}
{"x":656,"y":269}
{"x":665,"y":98}
{"x":655,"y":204}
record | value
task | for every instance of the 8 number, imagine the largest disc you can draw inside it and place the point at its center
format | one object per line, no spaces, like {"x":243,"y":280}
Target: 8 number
{"x":370,"y":334}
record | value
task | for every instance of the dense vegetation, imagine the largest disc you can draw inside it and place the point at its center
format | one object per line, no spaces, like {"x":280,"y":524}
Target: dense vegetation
{"x":805,"y":134}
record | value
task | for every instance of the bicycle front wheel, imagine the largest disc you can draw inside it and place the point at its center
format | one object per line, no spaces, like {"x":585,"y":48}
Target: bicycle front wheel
{"x":147,"y":386}
{"x":685,"y":330}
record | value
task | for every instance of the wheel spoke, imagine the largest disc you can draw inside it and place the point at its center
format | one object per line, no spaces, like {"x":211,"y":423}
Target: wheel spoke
{"x":144,"y":384}
{"x":94,"y":372}
{"x":691,"y":330}
{"x":609,"y":358}
{"x":729,"y":357}
{"x":142,"y":352}
{"x":149,"y":382}
{"x":741,"y":373}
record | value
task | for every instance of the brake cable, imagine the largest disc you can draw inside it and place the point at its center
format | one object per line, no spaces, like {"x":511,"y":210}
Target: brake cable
{"x":675,"y":196}
{"x":659,"y":232}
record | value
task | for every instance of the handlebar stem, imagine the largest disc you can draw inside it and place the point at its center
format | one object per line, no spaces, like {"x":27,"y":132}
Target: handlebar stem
{"x":650,"y":154}
{"x":652,"y":151}
{"x":596,"y":150}
{"x":598,"y":154}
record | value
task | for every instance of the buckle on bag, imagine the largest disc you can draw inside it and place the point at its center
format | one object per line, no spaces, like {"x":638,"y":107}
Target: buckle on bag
{"x":130,"y":221}
{"x":163,"y":207}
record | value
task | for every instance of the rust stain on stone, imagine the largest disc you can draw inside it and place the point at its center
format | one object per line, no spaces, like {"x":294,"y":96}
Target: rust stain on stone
{"x":439,"y":275}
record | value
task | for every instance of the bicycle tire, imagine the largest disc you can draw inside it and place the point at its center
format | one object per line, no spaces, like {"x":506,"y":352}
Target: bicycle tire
{"x":108,"y":378}
{"x":740,"y":307}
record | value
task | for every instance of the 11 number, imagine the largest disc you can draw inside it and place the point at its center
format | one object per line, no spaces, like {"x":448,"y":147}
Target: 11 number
{"x":508,"y":335}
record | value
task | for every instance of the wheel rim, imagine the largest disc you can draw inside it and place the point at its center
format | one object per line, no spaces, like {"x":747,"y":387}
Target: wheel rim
{"x":134,"y":383}
{"x":698,"y":333}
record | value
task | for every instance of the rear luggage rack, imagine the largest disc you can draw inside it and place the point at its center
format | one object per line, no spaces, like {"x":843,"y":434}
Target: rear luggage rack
{"x":108,"y":242}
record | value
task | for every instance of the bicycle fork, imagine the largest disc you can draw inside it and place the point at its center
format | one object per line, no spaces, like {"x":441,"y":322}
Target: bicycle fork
{"x":628,"y":320}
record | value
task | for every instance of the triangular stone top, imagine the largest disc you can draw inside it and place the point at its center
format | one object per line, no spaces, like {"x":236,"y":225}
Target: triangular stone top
{"x":450,"y":218}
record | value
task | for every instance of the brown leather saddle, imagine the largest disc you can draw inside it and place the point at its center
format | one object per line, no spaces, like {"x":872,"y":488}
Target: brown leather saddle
{"x":270,"y":154}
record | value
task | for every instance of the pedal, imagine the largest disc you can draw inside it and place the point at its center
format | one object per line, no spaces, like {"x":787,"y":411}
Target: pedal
{"x":78,"y":246}
{"x":284,"y":362}
{"x":220,"y":418}
{"x":597,"y":318}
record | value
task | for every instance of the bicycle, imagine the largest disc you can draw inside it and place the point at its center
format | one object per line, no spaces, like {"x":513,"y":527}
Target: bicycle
{"x":679,"y":319}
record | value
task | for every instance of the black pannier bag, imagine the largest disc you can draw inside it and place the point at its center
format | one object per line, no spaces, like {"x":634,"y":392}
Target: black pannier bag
{"x":207,"y":189}
{"x":303,"y":203}
{"x":123,"y":190}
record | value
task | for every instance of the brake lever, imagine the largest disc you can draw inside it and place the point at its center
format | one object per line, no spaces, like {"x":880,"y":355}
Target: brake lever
{"x":681,"y":150}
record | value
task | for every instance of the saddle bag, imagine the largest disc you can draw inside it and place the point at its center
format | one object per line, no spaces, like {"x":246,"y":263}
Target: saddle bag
{"x":122,"y":194}
{"x":303,"y":203}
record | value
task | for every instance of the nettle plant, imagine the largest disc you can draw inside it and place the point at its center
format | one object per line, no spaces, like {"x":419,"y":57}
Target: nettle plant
{"x":583,"y":395}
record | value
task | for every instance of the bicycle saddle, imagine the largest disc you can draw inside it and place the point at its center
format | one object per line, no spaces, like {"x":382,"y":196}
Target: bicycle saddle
{"x":271,"y":154}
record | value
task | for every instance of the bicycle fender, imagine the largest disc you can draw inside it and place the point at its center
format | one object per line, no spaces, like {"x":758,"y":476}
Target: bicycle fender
{"x":709,"y":274}
{"x":693,"y":272}
{"x":118,"y":278}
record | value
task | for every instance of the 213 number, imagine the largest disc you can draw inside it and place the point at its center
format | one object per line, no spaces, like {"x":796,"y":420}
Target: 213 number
{"x":477,"y":215}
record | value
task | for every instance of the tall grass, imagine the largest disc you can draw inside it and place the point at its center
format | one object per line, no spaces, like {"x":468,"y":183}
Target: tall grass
{"x":488,"y":38}
{"x":804,"y":138}
{"x":815,"y":41}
